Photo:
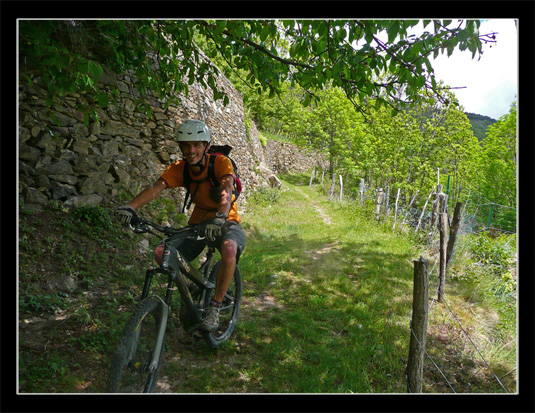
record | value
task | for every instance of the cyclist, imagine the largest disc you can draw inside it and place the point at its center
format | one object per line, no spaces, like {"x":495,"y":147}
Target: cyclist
{"x":216,"y":216}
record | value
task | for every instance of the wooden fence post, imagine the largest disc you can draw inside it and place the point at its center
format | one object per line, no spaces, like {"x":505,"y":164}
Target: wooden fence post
{"x":423,"y":210}
{"x":442,"y":221}
{"x":322,"y":175}
{"x":453,"y":230}
{"x":332,"y":187}
{"x":396,"y":210}
{"x":387,"y":200}
{"x":341,"y":188}
{"x":312,"y":175}
{"x":361,"y":190}
{"x":415,"y":365}
{"x":378,"y":203}
{"x":436,"y":207}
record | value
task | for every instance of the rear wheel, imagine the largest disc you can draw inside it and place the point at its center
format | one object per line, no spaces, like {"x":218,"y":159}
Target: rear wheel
{"x":230,"y":308}
{"x":132,"y":370}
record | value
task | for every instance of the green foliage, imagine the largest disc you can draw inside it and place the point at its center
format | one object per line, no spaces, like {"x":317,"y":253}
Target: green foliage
{"x":479,"y":124}
{"x":94,"y":215}
{"x":57,"y":326}
{"x":498,"y":162}
{"x":264,"y":196}
{"x":326,"y":306}
{"x":263,"y":139}
{"x":497,"y":251}
{"x":42,"y":303}
{"x":402,"y":151}
{"x":70,"y":56}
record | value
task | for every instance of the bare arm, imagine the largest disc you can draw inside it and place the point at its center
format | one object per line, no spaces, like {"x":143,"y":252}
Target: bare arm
{"x":148,"y":194}
{"x":226,"y":194}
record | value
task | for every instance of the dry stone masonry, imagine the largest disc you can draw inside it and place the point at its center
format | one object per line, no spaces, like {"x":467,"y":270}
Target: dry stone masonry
{"x":111,"y":159}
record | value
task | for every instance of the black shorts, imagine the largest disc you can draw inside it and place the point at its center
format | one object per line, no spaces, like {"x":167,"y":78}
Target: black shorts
{"x":192,"y":242}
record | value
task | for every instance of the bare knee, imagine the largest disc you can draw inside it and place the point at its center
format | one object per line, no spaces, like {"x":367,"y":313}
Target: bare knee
{"x":229,"y":250}
{"x":158,"y":253}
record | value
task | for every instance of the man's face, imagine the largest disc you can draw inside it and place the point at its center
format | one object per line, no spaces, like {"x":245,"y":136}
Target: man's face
{"x":193,"y":151}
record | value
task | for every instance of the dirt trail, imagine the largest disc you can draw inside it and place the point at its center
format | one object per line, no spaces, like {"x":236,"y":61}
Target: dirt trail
{"x":321,"y":212}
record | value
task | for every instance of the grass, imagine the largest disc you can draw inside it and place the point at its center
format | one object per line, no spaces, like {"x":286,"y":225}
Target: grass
{"x":66,"y":335}
{"x":327,"y":301}
{"x":339,"y":295}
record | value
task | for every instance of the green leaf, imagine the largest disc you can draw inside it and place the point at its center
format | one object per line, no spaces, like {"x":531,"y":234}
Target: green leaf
{"x":393,"y":32}
{"x":102,"y":99}
{"x":463,"y":35}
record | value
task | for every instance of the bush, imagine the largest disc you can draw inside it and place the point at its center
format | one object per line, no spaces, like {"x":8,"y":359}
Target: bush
{"x":498,"y":251}
{"x":497,"y":255}
{"x":264,"y":196}
{"x":94,"y":215}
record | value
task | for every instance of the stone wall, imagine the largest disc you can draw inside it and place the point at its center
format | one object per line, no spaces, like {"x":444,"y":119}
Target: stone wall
{"x":284,"y":158}
{"x":110,"y":160}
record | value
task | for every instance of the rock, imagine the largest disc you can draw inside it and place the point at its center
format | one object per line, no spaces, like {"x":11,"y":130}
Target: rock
{"x":80,"y":131}
{"x":61,"y":167}
{"x":83,"y":200}
{"x":274,"y":182}
{"x":64,"y":178}
{"x":24,"y":134}
{"x":33,"y":196}
{"x":144,"y":246}
{"x":81,"y":145}
{"x":110,"y":149}
{"x":62,"y":191}
{"x":66,"y":283}
{"x":94,"y":128}
{"x":48,"y":143}
{"x":113,"y":128}
{"x":29,"y":153}
{"x":93,"y":184}
{"x":121,"y":175}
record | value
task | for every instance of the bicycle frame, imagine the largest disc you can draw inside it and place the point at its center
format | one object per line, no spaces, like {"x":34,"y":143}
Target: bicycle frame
{"x":177,"y":269}
{"x":173,"y":264}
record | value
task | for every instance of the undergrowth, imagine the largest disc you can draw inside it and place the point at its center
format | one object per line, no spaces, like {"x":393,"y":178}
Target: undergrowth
{"x":327,"y":300}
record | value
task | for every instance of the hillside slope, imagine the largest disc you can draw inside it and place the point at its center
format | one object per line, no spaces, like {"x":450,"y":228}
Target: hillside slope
{"x":326,"y":304}
{"x":479,"y":124}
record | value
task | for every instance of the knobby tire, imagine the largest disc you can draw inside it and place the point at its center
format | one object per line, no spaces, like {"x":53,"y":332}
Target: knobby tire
{"x":129,"y":371}
{"x":230,"y":309}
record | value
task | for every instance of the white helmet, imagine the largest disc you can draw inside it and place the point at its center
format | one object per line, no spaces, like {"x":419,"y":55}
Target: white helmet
{"x":193,"y":130}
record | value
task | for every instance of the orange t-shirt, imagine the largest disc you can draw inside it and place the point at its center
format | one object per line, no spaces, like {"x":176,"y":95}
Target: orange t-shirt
{"x":174,"y":176}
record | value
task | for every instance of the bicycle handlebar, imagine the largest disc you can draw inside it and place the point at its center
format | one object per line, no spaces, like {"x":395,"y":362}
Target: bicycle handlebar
{"x":140,"y":225}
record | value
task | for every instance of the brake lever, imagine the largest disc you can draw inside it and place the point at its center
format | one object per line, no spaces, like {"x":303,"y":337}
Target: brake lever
{"x":140,"y":228}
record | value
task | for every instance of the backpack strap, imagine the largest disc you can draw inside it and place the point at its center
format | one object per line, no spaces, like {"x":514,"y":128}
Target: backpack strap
{"x":187,"y":183}
{"x":210,"y":176}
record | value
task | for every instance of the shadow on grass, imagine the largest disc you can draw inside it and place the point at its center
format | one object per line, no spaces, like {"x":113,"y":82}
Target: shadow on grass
{"x":343,"y":316}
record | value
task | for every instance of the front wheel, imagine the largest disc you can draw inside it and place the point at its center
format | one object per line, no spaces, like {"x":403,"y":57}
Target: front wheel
{"x":133,"y":368}
{"x":230,"y":309}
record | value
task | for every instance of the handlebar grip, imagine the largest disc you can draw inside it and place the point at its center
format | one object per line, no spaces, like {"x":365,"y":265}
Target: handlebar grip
{"x":135,"y":220}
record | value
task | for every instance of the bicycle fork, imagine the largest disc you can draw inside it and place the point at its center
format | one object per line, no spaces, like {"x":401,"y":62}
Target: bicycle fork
{"x":161,"y":333}
{"x":163,"y":319}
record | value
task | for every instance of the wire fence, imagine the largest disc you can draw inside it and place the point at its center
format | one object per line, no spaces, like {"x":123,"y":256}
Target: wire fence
{"x":479,"y":215}
{"x":463,"y":329}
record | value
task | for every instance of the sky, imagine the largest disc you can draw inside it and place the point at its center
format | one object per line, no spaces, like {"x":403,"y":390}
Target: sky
{"x":491,"y":83}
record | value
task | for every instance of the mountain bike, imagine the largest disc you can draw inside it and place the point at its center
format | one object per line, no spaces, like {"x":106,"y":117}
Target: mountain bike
{"x":138,"y":357}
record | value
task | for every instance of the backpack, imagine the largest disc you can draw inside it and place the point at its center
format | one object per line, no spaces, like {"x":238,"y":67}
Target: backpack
{"x":215,"y":190}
